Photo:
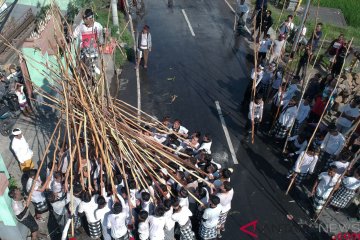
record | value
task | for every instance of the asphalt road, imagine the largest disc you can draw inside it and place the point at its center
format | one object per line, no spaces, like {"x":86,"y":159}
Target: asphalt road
{"x":186,"y":75}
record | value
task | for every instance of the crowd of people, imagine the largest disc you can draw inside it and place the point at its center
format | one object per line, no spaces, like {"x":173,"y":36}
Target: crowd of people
{"x":183,"y":207}
{"x":299,"y":110}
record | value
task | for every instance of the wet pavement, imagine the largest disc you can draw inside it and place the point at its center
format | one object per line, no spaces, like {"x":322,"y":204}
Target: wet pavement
{"x":186,"y":75}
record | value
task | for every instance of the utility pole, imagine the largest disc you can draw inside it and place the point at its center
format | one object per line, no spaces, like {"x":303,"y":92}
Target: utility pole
{"x":114,"y":12}
{"x":300,"y":28}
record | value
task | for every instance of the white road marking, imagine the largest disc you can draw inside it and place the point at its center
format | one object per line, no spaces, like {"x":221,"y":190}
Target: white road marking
{"x":231,"y":8}
{"x":227,"y":135}
{"x":188,"y":22}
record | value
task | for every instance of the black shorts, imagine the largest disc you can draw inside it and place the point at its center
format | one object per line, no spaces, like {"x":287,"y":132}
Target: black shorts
{"x":30,"y":223}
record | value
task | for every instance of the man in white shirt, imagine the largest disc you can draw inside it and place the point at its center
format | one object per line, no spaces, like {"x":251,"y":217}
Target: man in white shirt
{"x":226,"y":194}
{"x":59,"y":208}
{"x":88,"y":206}
{"x":323,"y":187}
{"x":89,"y":32}
{"x":179,"y":129}
{"x":144,"y":46}
{"x":255,"y":115}
{"x":285,"y":120}
{"x":22,"y":150}
{"x":117,"y":222}
{"x":277,"y":49}
{"x":37,"y":197}
{"x":295,"y":146}
{"x":331,"y":146}
{"x":22,"y":212}
{"x":182,"y":216}
{"x":169,"y":223}
{"x":210,"y":219}
{"x":157,"y":224}
{"x":349,"y":113}
{"x":257,"y":73}
{"x":304,"y":165}
{"x":264,"y":47}
{"x":143,"y":227}
{"x":101,"y":215}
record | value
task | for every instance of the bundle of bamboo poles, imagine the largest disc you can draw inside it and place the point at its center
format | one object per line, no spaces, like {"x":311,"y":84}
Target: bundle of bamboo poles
{"x":98,"y":128}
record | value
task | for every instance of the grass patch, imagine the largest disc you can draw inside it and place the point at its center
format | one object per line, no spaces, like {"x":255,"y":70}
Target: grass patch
{"x":331,"y":31}
{"x":348,"y":7}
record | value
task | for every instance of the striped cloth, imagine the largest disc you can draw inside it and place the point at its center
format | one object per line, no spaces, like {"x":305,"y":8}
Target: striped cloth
{"x":279,"y":131}
{"x":40,"y":207}
{"x":95,"y":230}
{"x":299,"y":177}
{"x":319,"y":202}
{"x":186,"y":232}
{"x":207,"y":233}
{"x":222,"y":220}
{"x":342,"y":197}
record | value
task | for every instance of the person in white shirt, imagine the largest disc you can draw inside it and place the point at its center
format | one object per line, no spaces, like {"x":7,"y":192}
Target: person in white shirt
{"x":184,"y":197}
{"x":277,"y":49}
{"x":331,"y":146}
{"x":89,"y":32}
{"x":146,"y":203}
{"x":144,"y":46}
{"x":286,"y":119}
{"x":226,"y":194}
{"x":295,"y":146}
{"x":304,"y":165}
{"x":22,"y":212}
{"x":342,"y":163}
{"x":179,"y":129}
{"x":169,"y":223}
{"x":101,"y":215}
{"x":88,"y":206}
{"x":182,"y":216}
{"x":349,"y":187}
{"x":257,"y":73}
{"x":157,"y":224}
{"x":323,"y":186}
{"x":264,"y":47}
{"x":59,"y":208}
{"x":37,"y":197}
{"x":143,"y":227}
{"x":22,"y":150}
{"x":116,"y":222}
{"x":205,"y":145}
{"x":255,"y":115}
{"x":348,"y":114}
{"x":210,"y":219}
{"x":302,"y":114}
{"x":23,"y":103}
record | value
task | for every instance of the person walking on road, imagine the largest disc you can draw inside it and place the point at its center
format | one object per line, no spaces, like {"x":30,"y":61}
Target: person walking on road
{"x":144,"y":46}
{"x":22,"y":150}
{"x":323,"y":186}
{"x":304,"y":165}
